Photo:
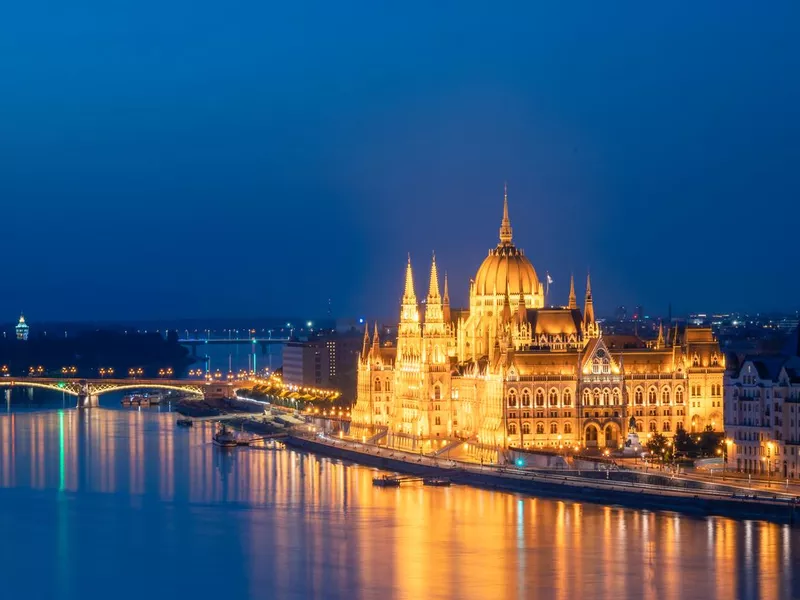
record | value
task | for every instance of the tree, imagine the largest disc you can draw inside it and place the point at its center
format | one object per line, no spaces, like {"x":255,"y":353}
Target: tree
{"x":656,"y":444}
{"x":684,"y":442}
{"x":709,"y":442}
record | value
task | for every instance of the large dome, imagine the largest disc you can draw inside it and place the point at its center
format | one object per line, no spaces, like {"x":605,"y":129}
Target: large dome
{"x":507,"y":269}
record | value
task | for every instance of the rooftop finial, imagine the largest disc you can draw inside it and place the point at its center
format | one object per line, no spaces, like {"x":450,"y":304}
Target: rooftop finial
{"x":505,"y":225}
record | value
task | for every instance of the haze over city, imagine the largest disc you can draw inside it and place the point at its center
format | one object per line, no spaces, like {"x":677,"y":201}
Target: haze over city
{"x":159,"y":158}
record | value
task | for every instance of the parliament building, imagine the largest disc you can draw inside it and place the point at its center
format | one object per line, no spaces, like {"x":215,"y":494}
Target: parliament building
{"x":509,"y":371}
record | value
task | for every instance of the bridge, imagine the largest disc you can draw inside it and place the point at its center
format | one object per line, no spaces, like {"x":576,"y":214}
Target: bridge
{"x":195,"y":343}
{"x":89,"y":390}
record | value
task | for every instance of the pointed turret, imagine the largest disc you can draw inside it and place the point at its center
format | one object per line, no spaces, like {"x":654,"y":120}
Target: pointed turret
{"x":433,"y":304}
{"x":446,"y":301}
{"x":433,"y":287}
{"x":573,"y":300}
{"x":505,"y":224}
{"x":506,"y":314}
{"x":365,"y":345}
{"x":522,"y":310}
{"x":589,"y":325}
{"x":376,"y":341}
{"x":409,"y":297}
{"x":660,"y":339}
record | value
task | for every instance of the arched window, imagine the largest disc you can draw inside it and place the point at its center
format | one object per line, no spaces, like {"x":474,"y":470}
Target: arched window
{"x":587,"y":395}
{"x":526,"y":428}
{"x":665,"y":396}
{"x":512,"y":429}
{"x":377,"y":385}
{"x":606,"y":366}
{"x":553,"y":428}
{"x":616,"y":396}
{"x":596,"y":366}
{"x":666,"y":426}
{"x":714,"y":359}
{"x":637,"y":395}
{"x":540,"y":428}
{"x":651,"y":395}
{"x":639,"y":426}
{"x":512,"y":397}
{"x":437,"y":392}
{"x":553,"y":397}
{"x":695,"y":361}
{"x":526,"y":397}
{"x":653,"y":426}
{"x":596,"y":397}
{"x":679,"y":426}
{"x":567,"y":398}
{"x":388,"y":385}
{"x":606,"y":397}
{"x":567,"y":428}
{"x":679,"y":395}
{"x":540,"y":397}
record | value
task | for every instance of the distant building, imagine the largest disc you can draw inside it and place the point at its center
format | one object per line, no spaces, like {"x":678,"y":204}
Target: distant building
{"x":762,"y":413}
{"x":22,"y":328}
{"x":638,"y":313}
{"x":326,"y":362}
{"x":621,"y":313}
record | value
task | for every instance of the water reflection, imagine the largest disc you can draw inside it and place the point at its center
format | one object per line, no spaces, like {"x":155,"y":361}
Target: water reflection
{"x":129,"y":488}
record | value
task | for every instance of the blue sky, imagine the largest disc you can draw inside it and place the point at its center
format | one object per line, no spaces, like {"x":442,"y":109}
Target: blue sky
{"x":168,"y":159}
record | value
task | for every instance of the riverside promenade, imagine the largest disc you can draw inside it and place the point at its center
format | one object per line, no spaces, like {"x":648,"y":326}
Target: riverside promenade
{"x":672,"y":494}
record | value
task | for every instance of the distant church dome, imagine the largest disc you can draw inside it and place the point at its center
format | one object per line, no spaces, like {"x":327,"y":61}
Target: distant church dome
{"x":506,"y":267}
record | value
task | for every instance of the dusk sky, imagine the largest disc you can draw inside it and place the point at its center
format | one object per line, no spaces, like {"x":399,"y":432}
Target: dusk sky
{"x":186,"y":159}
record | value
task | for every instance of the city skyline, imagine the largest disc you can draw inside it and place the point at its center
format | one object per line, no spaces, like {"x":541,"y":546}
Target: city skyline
{"x":167,"y":166}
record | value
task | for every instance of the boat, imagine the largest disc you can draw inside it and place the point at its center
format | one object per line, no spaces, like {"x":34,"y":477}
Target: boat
{"x":184,"y":422}
{"x":224,"y":438}
{"x":274,"y":445}
{"x":142,"y":399}
{"x":386,"y":481}
{"x":436,"y":482}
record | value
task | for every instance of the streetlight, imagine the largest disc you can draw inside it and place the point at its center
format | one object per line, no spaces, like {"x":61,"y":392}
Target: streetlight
{"x":769,"y":463}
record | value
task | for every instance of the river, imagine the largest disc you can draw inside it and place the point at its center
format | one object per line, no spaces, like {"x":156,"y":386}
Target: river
{"x":121,"y":503}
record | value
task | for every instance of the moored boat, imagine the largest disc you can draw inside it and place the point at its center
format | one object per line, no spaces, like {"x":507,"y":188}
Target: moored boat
{"x":436,"y":482}
{"x":224,"y":438}
{"x":184,"y":422}
{"x":386,"y":481}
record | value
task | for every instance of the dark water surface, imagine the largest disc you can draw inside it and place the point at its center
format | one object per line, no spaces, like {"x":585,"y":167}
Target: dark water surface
{"x":120,"y":504}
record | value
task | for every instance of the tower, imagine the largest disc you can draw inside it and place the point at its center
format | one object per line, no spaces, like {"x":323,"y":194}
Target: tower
{"x":22,"y":328}
{"x":446,"y":301}
{"x":589,"y":324}
{"x":573,"y":301}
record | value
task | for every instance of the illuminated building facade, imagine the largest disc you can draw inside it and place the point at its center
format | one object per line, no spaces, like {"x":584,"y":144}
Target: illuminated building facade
{"x":510,"y":371}
{"x":22,"y":328}
{"x":762,"y":413}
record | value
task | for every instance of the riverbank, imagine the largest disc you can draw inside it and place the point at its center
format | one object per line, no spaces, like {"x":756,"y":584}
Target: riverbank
{"x":723,"y":501}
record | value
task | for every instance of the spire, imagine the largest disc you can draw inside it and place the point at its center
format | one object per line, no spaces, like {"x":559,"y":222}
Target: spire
{"x":573,"y":301}
{"x":506,"y":306}
{"x":365,"y":345}
{"x":409,"y":297}
{"x":660,"y":339}
{"x":505,"y":224}
{"x":588,"y":308}
{"x":446,"y":301}
{"x":433,"y":288}
{"x":376,"y":340}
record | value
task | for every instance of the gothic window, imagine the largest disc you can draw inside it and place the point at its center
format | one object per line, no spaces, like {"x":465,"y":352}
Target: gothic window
{"x":540,"y":397}
{"x":437,"y":421}
{"x":679,"y":395}
{"x":616,"y":397}
{"x":553,"y":397}
{"x":653,"y":426}
{"x":637,"y":395}
{"x":540,"y":428}
{"x":553,"y":428}
{"x":665,"y":396}
{"x":596,"y":397}
{"x":567,"y":397}
{"x":606,"y":366}
{"x":512,"y":429}
{"x":714,"y":359}
{"x":596,"y":366}
{"x":679,"y":426}
{"x":639,"y":426}
{"x":388,"y":385}
{"x":567,"y":428}
{"x":586,"y":397}
{"x":606,"y":397}
{"x":526,"y":397}
{"x":695,"y":361}
{"x":651,"y":395}
{"x":377,"y":385}
{"x":666,"y":426}
{"x":512,"y":397}
{"x":437,"y":392}
{"x":526,"y":428}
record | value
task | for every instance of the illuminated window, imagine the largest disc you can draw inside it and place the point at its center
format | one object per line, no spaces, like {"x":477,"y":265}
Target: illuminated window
{"x":526,"y":397}
{"x":540,"y":397}
{"x":553,"y":428}
{"x":512,"y":397}
{"x":567,"y":428}
{"x":637,"y":395}
{"x":665,"y":396}
{"x":539,"y":428}
{"x":651,"y":395}
{"x":377,"y":385}
{"x":553,"y":397}
{"x":567,"y":398}
{"x":512,"y":429}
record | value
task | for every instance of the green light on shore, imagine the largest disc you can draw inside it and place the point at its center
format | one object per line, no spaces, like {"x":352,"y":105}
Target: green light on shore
{"x":62,"y":385}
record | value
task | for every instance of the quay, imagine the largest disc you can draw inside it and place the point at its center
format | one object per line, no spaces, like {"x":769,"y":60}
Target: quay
{"x":705,"y":499}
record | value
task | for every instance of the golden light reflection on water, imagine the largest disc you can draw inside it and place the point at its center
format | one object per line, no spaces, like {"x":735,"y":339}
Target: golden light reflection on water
{"x":322,"y":523}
